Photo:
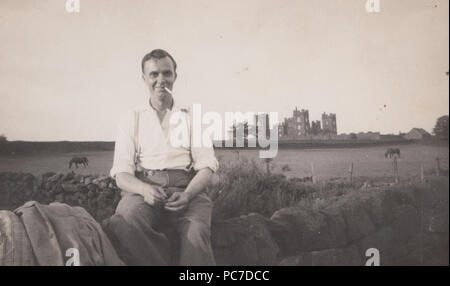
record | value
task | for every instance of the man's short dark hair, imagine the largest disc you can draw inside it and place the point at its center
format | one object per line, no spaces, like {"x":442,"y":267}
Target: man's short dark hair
{"x":158,"y":54}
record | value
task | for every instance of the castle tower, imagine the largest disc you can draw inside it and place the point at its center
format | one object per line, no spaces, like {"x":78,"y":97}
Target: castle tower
{"x":298,"y":125}
{"x":329,"y":123}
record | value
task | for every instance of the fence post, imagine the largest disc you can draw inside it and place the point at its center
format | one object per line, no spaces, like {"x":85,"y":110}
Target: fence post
{"x":422,"y":177}
{"x":350,"y":173}
{"x":312,"y":174}
{"x":438,"y":168}
{"x":396,"y":169}
{"x":268,"y":160}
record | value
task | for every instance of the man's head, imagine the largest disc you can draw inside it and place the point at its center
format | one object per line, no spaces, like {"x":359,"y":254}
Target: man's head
{"x":158,"y":73}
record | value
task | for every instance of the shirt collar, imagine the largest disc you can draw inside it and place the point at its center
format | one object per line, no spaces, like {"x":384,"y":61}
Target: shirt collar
{"x":175,"y":107}
{"x":149,"y":107}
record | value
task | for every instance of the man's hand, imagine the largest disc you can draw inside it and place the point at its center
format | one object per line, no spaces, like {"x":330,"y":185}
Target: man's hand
{"x":154,"y":195}
{"x":178,"y":201}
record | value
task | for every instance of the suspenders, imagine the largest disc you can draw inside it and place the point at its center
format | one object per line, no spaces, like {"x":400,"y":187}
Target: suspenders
{"x":191,"y":164}
{"x":137,"y":147}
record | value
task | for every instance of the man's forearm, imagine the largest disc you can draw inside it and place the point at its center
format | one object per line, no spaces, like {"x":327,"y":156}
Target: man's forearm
{"x":130,"y":183}
{"x":200,"y":181}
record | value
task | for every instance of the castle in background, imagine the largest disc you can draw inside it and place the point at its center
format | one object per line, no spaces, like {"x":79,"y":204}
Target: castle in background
{"x":299,"y":126}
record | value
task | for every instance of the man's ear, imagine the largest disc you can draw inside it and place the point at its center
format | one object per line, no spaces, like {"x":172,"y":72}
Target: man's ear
{"x":143,"y":77}
{"x":175,"y":76}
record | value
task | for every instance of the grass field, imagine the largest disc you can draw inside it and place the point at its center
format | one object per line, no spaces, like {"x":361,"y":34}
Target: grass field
{"x":367,"y":161}
{"x":327,"y":163}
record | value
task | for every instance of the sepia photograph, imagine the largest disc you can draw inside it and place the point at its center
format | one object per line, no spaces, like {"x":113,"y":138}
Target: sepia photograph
{"x":224,"y":133}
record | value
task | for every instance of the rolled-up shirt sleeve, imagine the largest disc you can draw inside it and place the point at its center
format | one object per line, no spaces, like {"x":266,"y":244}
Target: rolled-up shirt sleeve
{"x":124,"y":148}
{"x":204,"y":157}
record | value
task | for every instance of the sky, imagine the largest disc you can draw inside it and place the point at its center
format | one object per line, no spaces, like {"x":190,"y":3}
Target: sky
{"x":71,"y":76}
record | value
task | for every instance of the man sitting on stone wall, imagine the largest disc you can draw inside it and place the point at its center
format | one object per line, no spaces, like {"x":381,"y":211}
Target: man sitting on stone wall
{"x":162,"y":185}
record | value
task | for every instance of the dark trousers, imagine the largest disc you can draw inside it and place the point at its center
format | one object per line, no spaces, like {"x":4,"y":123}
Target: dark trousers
{"x":150,"y":235}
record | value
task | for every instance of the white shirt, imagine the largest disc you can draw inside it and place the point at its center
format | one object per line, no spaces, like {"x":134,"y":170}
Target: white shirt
{"x":155,"y":151}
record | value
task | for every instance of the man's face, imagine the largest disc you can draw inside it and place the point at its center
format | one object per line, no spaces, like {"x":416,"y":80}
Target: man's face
{"x":158,"y":75}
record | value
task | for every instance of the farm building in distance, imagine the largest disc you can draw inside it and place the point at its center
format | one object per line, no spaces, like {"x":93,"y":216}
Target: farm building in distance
{"x":417,"y":134}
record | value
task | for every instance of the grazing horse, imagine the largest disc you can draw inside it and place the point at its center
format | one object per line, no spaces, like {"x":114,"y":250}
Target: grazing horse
{"x":79,"y":160}
{"x":392,"y":152}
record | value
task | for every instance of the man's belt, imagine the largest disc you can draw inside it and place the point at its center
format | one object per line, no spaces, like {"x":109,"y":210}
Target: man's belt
{"x":178,"y":178}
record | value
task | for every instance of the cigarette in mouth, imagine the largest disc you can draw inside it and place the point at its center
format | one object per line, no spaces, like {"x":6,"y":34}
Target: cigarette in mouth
{"x":168,"y":90}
